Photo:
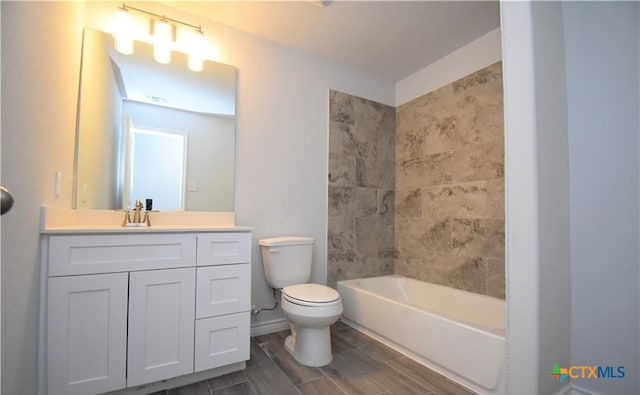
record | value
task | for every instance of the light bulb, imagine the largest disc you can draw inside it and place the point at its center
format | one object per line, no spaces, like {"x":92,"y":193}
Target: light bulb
{"x":195,"y":60}
{"x":123,"y":37}
{"x":162,"y":41}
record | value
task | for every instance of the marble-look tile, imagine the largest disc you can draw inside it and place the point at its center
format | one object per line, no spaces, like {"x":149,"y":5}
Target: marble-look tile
{"x":348,"y":264}
{"x":341,"y":107}
{"x":467,"y":273}
{"x":409,"y":142}
{"x":378,"y":263}
{"x":371,"y":234}
{"x":425,"y":266}
{"x":495,"y":198}
{"x":478,"y":237}
{"x":341,"y":265}
{"x":419,"y":235}
{"x":478,"y":162}
{"x":342,"y":141}
{"x":426,"y":170}
{"x":372,"y":115}
{"x":491,"y":74}
{"x":386,"y":206}
{"x":409,"y":203}
{"x":352,"y":201}
{"x":496,"y":278}
{"x":461,"y":200}
{"x":341,"y":233}
{"x":342,"y":170}
{"x":375,"y":172}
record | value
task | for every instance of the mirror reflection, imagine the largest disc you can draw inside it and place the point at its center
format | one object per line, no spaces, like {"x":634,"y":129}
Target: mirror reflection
{"x":147,"y":130}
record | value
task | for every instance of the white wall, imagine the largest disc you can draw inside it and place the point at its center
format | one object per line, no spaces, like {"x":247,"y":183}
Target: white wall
{"x":603,"y":98}
{"x":480,"y":53}
{"x":521,"y":189}
{"x":537,"y":196}
{"x":599,"y":42}
{"x":554,"y":321}
{"x":210,"y":150}
{"x":282,"y":124}
{"x":100,"y":126}
{"x":40,"y":72}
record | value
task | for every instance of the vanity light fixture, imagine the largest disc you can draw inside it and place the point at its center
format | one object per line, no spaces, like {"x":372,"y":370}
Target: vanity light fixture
{"x":196,"y":51}
{"x":163,"y":31}
{"x":162,"y":41}
{"x":123,"y":32}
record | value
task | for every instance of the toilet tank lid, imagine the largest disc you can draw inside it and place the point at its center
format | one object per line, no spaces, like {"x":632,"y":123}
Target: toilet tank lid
{"x":283,"y":241}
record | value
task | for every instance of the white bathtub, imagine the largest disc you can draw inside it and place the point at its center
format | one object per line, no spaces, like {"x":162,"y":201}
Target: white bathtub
{"x":457,"y":333}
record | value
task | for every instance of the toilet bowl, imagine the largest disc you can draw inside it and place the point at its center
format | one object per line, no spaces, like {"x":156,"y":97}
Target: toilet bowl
{"x":310,"y":310}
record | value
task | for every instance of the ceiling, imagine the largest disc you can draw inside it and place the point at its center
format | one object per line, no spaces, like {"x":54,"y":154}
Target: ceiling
{"x":391,"y":39}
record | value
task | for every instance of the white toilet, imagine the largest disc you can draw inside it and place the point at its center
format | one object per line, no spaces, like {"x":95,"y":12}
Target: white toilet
{"x":309,"y":308}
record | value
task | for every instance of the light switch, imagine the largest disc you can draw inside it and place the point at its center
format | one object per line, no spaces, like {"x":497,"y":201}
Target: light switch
{"x":193,"y":186}
{"x":58,"y":184}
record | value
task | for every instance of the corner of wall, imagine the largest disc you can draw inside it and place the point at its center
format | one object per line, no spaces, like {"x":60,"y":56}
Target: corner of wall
{"x":472,"y":57}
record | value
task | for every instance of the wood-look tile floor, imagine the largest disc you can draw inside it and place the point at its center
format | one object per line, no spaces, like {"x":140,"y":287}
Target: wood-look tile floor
{"x":360,"y":366}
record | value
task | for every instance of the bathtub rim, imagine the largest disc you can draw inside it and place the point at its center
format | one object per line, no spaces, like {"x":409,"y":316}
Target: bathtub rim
{"x":500,"y":333}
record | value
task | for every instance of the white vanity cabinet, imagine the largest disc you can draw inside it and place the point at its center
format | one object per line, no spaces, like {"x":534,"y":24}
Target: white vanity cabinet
{"x":125,"y":310}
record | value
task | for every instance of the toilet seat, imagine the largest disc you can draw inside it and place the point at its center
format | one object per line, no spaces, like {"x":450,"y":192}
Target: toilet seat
{"x":311,"y":295}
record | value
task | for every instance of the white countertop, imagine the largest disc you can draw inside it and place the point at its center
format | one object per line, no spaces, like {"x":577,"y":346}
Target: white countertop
{"x":56,"y":220}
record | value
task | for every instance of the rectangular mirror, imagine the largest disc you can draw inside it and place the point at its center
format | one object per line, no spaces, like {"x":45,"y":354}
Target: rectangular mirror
{"x":147,"y":130}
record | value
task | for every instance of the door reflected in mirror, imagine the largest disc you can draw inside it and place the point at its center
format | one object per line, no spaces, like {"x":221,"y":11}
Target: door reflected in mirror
{"x":147,"y":130}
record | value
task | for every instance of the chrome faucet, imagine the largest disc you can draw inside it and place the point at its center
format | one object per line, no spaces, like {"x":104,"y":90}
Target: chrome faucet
{"x":138,"y":218}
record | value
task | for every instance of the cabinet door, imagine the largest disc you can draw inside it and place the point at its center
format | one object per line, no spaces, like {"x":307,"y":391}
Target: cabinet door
{"x":86,"y":333}
{"x":161,"y":325}
{"x":221,"y":341}
{"x":223,"y":289}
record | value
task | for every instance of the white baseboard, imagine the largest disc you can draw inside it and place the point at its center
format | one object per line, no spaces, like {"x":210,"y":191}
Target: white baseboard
{"x":262,"y":328}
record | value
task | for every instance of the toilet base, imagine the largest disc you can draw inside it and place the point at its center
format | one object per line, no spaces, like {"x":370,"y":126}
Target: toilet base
{"x":310,"y":346}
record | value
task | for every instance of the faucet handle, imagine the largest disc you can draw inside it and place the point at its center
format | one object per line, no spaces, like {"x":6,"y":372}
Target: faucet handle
{"x":127,"y":218}
{"x":147,"y":219}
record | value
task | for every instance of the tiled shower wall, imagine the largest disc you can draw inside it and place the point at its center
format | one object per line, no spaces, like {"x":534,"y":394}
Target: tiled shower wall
{"x":361,"y":183}
{"x":449,"y":214}
{"x":448,"y":174}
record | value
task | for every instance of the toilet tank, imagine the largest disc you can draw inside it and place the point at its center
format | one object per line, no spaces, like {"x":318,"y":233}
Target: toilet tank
{"x":286,"y":260}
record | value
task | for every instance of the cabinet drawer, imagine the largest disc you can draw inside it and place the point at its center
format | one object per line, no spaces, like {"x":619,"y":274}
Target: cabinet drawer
{"x":224,"y":248}
{"x":223,"y":289}
{"x":221,"y":341}
{"x":87,"y":254}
